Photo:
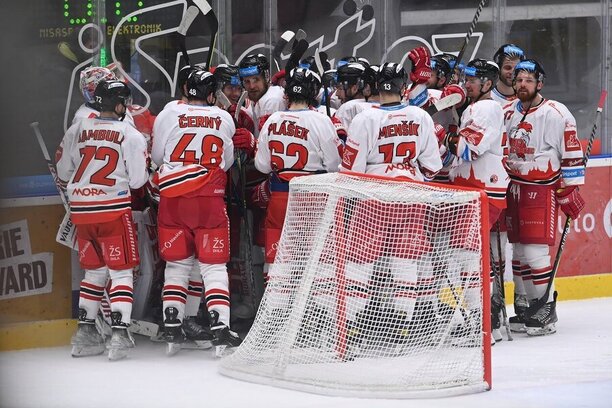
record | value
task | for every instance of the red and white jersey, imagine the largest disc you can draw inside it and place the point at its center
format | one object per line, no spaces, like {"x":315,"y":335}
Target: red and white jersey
{"x":191,"y":142}
{"x":544,"y":147}
{"x":500,"y":98}
{"x":349,"y":109}
{"x":480,"y":151}
{"x":449,"y":120}
{"x":85,"y":111}
{"x":300,"y":140}
{"x":393,"y":141}
{"x":102,"y":159}
{"x":272,"y":101}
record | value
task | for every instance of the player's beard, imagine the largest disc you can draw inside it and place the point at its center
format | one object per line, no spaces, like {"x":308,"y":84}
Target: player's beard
{"x":525,"y":95}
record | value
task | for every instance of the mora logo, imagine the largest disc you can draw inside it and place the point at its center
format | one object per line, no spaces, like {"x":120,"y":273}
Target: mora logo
{"x":87,"y":192}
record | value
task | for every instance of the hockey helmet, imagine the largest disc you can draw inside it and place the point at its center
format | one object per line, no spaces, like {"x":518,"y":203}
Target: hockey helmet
{"x":181,"y":77}
{"x":303,"y":82}
{"x":110,"y":93}
{"x":351,"y":74}
{"x":227,"y":75}
{"x":200,"y":84}
{"x":345,"y":60}
{"x":441,"y":64}
{"x":254,"y":64}
{"x":90,"y":78}
{"x":532,"y":66}
{"x":508,"y":51}
{"x":308,"y":63}
{"x":483,"y":70}
{"x":392,"y":77}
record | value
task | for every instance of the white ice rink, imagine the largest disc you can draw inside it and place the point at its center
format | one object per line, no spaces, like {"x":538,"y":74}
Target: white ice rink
{"x":572,"y":368}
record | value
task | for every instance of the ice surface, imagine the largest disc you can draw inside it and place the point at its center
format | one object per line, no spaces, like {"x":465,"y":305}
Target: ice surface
{"x":572,"y":368}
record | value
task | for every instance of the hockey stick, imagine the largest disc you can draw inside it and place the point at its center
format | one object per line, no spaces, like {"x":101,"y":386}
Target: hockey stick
{"x":188,"y":17}
{"x":298,"y":51}
{"x":213,"y":24}
{"x":533,"y":308}
{"x":284,"y":39}
{"x":299,"y":35}
{"x":321,"y":69}
{"x":470,"y":32}
{"x":499,"y":280}
{"x":444,"y":103}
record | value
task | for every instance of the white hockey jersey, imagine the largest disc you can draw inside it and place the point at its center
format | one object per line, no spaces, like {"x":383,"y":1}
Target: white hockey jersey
{"x":298,"y":140}
{"x":272,"y":101}
{"x":102,"y":159}
{"x":85,"y":111}
{"x":500,"y":98}
{"x":393,"y":141}
{"x":480,"y":152}
{"x":189,"y":142}
{"x":349,"y":109}
{"x":544,"y":147}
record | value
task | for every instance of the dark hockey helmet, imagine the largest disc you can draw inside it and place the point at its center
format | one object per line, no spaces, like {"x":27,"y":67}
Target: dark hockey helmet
{"x":200,"y":84}
{"x":303,"y":82}
{"x":227,"y":75}
{"x":392,"y":77}
{"x":308,"y":63}
{"x":110,"y":93}
{"x":351,"y":74}
{"x":508,"y":51}
{"x":533,"y":66}
{"x":345,"y":60}
{"x":330,"y":78}
{"x":441,"y":64}
{"x":181,"y":77}
{"x":254,"y":64}
{"x":482,"y":69}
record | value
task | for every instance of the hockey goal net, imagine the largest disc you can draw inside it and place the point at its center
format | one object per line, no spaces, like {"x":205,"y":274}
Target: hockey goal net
{"x":379,"y":289}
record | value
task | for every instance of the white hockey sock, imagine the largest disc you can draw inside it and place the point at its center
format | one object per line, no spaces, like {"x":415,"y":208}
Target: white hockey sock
{"x":194,"y":291}
{"x":92,"y":290}
{"x":121,"y":293}
{"x":216,"y":293}
{"x":175,"y":285}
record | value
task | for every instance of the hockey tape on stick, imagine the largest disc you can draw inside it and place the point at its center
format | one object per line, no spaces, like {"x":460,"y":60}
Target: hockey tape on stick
{"x":188,"y":17}
{"x":534,"y":307}
{"x":470,"y":32}
{"x":300,"y":35}
{"x":284,"y":39}
{"x":444,"y":103}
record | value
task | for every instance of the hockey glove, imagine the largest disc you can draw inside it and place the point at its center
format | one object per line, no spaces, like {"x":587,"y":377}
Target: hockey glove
{"x":278,"y":78}
{"x":261,"y":195}
{"x":451,"y":140}
{"x":243,"y":139}
{"x":244,"y":120}
{"x":570,"y":201}
{"x":454,"y":89}
{"x":440,"y":133}
{"x":421,"y":67}
{"x":340,"y":129}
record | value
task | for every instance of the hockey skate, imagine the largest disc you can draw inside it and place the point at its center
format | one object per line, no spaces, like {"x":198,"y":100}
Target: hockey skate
{"x":542,"y":323}
{"x":467,"y":333}
{"x":517,"y":323}
{"x":173,"y":331}
{"x":87,"y":341}
{"x":496,"y":318}
{"x":121,"y":340}
{"x":223,"y":336}
{"x":197,"y":337}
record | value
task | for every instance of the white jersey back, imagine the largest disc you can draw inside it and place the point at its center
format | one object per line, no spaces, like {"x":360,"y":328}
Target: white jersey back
{"x":85,"y":111}
{"x":102,"y":159}
{"x":480,"y":151}
{"x":300,"y":140}
{"x":189,"y":141}
{"x":544,"y":146}
{"x":272,"y":101}
{"x":349,"y":109}
{"x":393,"y":141}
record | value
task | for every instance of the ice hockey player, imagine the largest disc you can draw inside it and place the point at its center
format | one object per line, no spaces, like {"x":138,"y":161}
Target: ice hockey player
{"x":478,"y":148}
{"x":546,"y":166}
{"x":506,"y":58}
{"x":101,"y":159}
{"x":393,"y":140}
{"x":192,"y":145}
{"x":293,"y":143}
{"x":350,"y":85}
{"x":230,"y":85}
{"x":254,"y":71}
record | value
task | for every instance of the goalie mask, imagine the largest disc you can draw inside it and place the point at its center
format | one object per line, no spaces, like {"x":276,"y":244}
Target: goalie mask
{"x":200,"y":85}
{"x":392,"y":78}
{"x":90,"y":78}
{"x":254,"y":64}
{"x":109,"y":94}
{"x":303,"y":83}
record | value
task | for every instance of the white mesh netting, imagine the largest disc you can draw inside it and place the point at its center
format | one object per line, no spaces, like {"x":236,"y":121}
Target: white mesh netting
{"x":376,"y":291}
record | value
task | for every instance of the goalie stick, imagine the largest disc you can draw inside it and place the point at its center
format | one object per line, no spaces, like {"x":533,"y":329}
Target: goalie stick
{"x":444,"y":103}
{"x":188,"y":17}
{"x":470,"y":32}
{"x":213,"y":25}
{"x":137,"y":326}
{"x":533,"y":308}
{"x":284,"y":39}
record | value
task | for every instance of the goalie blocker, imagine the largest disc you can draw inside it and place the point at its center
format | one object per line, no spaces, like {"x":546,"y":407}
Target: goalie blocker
{"x":329,"y":321}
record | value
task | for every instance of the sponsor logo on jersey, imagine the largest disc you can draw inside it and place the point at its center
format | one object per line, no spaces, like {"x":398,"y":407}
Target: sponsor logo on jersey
{"x":571,"y":141}
{"x":348,"y":157}
{"x":401,"y":166}
{"x":88,"y":192}
{"x":122,"y":193}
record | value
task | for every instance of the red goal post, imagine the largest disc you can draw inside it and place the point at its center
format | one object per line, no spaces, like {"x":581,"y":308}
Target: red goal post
{"x":379,"y":289}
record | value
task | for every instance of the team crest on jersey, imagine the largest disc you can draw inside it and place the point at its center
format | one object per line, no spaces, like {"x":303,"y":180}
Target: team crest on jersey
{"x":348,"y":157}
{"x":519,"y":140}
{"x":571,"y":141}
